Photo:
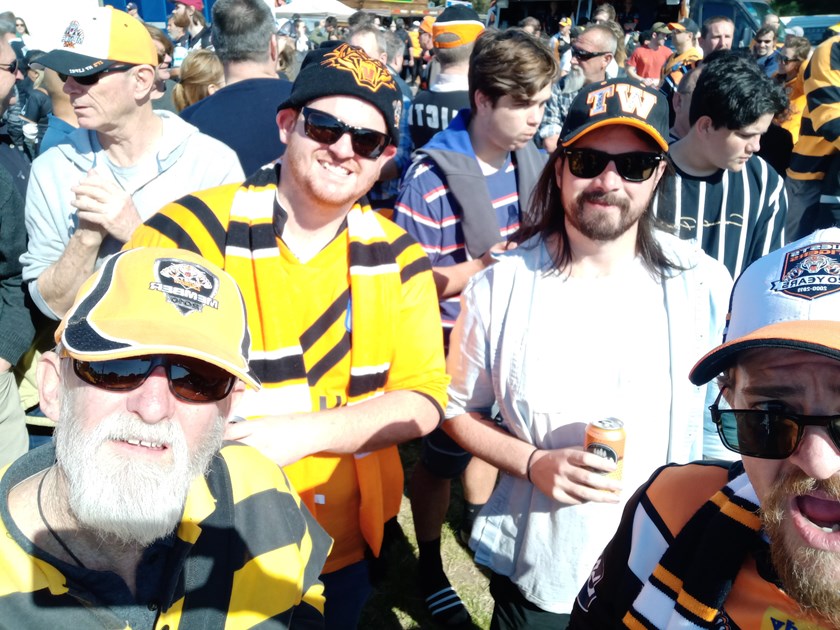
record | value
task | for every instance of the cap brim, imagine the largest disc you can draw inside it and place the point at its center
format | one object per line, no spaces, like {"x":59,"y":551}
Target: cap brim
{"x":817,"y":336}
{"x":630,"y":122}
{"x":74,"y":64}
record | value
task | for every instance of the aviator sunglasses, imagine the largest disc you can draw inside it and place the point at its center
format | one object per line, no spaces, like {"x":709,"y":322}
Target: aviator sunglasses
{"x":767,"y":433}
{"x":327,"y":129}
{"x":637,"y":166}
{"x":92,"y":79}
{"x":189,"y":379}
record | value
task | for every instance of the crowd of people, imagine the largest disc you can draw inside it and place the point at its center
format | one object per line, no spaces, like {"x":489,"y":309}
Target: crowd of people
{"x":241,"y":261}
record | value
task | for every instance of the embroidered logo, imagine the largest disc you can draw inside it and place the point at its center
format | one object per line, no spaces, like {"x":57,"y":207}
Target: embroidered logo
{"x":368,"y":73}
{"x":631,"y":99}
{"x":73,"y":35}
{"x":810,"y":272}
{"x":189,"y":287}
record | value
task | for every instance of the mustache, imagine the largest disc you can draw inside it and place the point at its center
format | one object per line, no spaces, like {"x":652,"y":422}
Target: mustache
{"x":605,"y":198}
{"x":797,"y":483}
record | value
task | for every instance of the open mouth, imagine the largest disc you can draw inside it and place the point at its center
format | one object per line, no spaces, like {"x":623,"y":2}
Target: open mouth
{"x":822,"y":513}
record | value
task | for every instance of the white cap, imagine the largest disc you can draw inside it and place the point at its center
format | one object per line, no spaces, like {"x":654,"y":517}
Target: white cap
{"x":790,"y":299}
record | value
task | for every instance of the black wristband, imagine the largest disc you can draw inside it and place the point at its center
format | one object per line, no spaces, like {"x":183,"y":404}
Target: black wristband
{"x":528,"y":465}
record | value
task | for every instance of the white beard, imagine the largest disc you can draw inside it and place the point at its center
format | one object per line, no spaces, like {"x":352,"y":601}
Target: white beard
{"x":574,"y":81}
{"x":127,"y":499}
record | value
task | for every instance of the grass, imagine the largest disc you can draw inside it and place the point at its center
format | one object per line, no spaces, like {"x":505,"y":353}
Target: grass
{"x":397,"y":603}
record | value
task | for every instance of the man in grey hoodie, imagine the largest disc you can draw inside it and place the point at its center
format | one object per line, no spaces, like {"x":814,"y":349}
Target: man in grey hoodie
{"x":87,"y":195}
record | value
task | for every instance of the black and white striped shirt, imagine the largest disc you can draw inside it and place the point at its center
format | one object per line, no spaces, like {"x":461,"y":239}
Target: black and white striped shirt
{"x":737,"y":217}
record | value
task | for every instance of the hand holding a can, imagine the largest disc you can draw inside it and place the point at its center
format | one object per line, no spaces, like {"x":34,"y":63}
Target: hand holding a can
{"x":574,"y":476}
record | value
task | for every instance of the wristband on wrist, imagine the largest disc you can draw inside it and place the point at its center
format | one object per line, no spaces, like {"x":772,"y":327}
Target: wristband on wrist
{"x":528,"y":465}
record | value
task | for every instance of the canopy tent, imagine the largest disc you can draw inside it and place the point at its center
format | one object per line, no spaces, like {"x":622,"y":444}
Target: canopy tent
{"x":315,"y":7}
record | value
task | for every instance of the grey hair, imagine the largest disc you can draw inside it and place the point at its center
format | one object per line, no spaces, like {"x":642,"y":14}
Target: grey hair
{"x":242,"y":30}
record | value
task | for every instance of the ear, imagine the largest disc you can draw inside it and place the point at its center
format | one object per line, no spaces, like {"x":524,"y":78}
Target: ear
{"x":676,"y":101}
{"x":482,"y":101}
{"x":704,"y":124}
{"x":144,"y":77}
{"x":273,"y":51}
{"x":212,"y":89}
{"x":386,"y":155}
{"x":48,"y":374}
{"x":286,"y":122}
{"x":558,"y":167}
{"x":230,"y":403}
{"x":660,"y":171}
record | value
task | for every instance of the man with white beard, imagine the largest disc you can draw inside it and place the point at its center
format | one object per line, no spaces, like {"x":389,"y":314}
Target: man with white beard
{"x":139,"y":516}
{"x":592,"y":51}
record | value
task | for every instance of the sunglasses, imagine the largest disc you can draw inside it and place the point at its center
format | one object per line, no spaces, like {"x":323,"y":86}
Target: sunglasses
{"x":637,"y":166}
{"x":92,"y":79}
{"x":327,"y":129}
{"x":190,"y":380}
{"x":584,"y":55}
{"x":767,"y":433}
{"x":784,"y":59}
{"x":10,"y":67}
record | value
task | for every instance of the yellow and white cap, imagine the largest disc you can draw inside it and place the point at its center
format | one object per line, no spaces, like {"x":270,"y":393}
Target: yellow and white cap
{"x":789,"y":298}
{"x":99,"y":38}
{"x":160,"y":301}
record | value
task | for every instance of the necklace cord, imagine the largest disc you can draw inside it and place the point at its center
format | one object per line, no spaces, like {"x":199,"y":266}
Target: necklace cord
{"x":52,"y":532}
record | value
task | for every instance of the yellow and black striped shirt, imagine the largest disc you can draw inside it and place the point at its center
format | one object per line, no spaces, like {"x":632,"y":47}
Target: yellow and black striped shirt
{"x":246,"y":554}
{"x":359,"y":319}
{"x":819,"y":134}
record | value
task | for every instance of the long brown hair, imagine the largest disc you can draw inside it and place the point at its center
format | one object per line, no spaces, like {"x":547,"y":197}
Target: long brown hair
{"x":546,"y":217}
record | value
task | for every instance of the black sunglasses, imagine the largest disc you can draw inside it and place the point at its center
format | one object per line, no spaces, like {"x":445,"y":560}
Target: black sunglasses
{"x":584,"y":55}
{"x":327,"y":129}
{"x":767,"y":433}
{"x":92,"y":79}
{"x":784,"y":59}
{"x":189,"y":379}
{"x":637,"y":166}
{"x":10,"y":67}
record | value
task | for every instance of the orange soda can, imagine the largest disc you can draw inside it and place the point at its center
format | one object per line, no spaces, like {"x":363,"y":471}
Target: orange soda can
{"x":606,"y":438}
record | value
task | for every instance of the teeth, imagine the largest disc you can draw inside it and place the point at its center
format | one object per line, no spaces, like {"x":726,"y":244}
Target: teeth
{"x":831,"y":530}
{"x":143,"y":443}
{"x":335,"y":169}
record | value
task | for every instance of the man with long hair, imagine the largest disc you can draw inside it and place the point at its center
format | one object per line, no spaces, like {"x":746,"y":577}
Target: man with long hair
{"x":595,"y":314}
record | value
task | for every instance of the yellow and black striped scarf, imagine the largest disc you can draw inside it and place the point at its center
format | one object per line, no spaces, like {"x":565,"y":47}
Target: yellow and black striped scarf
{"x":696,"y":573}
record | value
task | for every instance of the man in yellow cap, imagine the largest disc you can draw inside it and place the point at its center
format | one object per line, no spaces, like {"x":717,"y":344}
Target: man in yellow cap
{"x":138,"y":516}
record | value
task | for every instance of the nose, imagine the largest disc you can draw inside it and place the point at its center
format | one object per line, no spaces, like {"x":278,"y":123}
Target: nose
{"x":609,"y":178}
{"x":153,"y":401}
{"x":343,"y":147}
{"x":754,"y":144}
{"x":817,"y":456}
{"x":535,"y":114}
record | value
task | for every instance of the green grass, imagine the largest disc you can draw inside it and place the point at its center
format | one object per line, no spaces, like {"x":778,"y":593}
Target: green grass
{"x":397,"y":603}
